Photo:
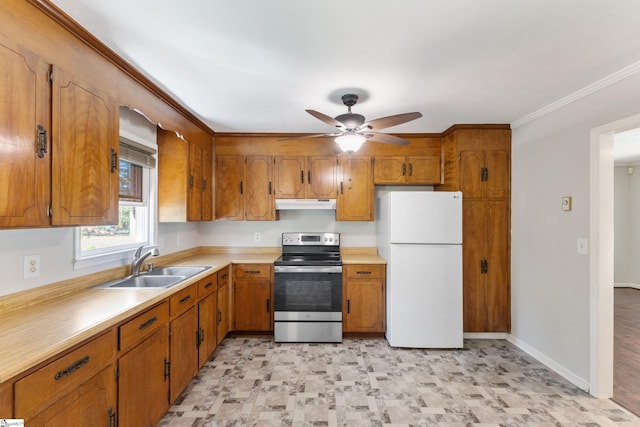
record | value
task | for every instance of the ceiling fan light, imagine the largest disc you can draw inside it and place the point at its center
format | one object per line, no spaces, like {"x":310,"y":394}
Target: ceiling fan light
{"x":350,"y":142}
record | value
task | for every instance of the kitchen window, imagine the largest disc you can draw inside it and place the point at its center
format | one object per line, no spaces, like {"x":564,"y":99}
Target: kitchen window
{"x":137,"y":222}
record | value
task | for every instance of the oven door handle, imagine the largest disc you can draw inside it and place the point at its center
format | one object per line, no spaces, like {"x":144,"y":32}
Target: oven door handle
{"x":307,"y":269}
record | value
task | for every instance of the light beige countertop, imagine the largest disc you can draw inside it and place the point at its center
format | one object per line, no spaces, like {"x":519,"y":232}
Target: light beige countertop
{"x":39,"y":324}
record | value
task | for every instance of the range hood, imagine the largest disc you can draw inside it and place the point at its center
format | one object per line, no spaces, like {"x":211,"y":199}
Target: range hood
{"x":290,"y":204}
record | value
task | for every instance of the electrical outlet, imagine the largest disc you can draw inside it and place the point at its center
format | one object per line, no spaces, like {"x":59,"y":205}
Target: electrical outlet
{"x":257,"y":236}
{"x":31,"y":266}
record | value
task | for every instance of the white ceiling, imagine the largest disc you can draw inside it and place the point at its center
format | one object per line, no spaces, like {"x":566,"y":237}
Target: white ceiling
{"x":255,"y":65}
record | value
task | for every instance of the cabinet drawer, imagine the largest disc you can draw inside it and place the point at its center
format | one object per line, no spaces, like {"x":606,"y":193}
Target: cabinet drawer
{"x":182,"y":300}
{"x":223,"y":277}
{"x":143,"y":325}
{"x":252,"y":271}
{"x":364,"y":271}
{"x":37,"y":391}
{"x":207,"y":285}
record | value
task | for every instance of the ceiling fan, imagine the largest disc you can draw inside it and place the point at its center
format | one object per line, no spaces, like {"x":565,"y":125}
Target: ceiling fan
{"x":353,"y":129}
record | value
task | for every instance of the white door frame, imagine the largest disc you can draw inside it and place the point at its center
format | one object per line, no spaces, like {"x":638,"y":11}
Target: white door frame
{"x":601,"y":255}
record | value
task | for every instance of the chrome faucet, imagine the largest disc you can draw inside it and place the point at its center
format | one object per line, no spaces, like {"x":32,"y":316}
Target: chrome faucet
{"x":139,"y":257}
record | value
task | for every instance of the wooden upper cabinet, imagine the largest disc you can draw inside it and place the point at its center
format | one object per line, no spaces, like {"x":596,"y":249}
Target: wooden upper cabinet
{"x":84,"y":152}
{"x":185,"y":178}
{"x":356,"y":194}
{"x":25,"y":173}
{"x":407,"y":170}
{"x":484,"y":174}
{"x":244,"y":188}
{"x":300,"y":177}
{"x":258,"y":191}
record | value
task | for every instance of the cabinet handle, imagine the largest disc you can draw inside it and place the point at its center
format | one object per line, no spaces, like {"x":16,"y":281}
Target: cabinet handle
{"x":114,"y":161}
{"x":486,"y":174}
{"x":224,"y":276}
{"x":185,"y":299}
{"x":72,"y":368}
{"x":341,"y":187}
{"x":167,"y":369}
{"x":201,"y":335}
{"x":112,"y":418}
{"x":208,"y":285}
{"x":204,"y":184}
{"x":268,"y":306}
{"x":270,"y":188}
{"x":404,"y":169}
{"x":484,"y":266}
{"x":348,"y":306}
{"x":42,"y":141}
{"x":240,"y":187}
{"x":190,"y":181}
{"x":308,"y":177}
{"x":302,"y":177}
{"x":148,"y":323}
{"x":252,"y":271}
{"x":363,"y":272}
{"x":410,"y":169}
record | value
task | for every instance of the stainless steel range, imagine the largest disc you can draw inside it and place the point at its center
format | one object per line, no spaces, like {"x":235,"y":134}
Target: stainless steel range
{"x":308,"y":289}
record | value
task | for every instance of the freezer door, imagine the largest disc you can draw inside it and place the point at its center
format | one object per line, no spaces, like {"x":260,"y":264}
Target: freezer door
{"x":424,"y":296}
{"x":425,"y":217}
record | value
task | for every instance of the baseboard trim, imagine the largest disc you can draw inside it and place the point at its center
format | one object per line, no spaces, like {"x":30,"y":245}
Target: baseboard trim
{"x":486,"y":335}
{"x":550,"y":363}
{"x":626,"y":285}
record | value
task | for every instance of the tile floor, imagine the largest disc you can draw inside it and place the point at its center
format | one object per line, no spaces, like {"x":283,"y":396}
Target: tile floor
{"x":252,"y":381}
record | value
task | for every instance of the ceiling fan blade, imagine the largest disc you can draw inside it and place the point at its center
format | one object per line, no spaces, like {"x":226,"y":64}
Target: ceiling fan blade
{"x":328,"y":120}
{"x":387,"y":122}
{"x":317,"y":135}
{"x":385,"y":138}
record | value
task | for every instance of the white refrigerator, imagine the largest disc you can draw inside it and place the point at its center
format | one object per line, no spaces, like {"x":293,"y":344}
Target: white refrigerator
{"x":420,"y":236}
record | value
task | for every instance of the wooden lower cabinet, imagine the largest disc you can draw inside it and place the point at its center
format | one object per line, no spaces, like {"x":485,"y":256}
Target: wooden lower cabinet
{"x":183,"y":344}
{"x":224,"y":306}
{"x":252,"y":297}
{"x":143,"y":384}
{"x":485,"y":266}
{"x":364,"y":298}
{"x":92,"y":403}
{"x":207,"y":317}
{"x":48,"y":396}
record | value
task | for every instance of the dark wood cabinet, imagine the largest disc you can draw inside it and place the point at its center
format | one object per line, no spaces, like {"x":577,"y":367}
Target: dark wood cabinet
{"x":223,"y":324}
{"x":424,"y":170}
{"x":300,"y":177}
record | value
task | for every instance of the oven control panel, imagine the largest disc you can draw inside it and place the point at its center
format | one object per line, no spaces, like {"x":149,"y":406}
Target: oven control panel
{"x":314,"y":239}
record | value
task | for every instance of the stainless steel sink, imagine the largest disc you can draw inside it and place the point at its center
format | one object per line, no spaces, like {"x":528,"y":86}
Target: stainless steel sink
{"x":186,"y":271}
{"x":158,"y":278}
{"x":143,"y":282}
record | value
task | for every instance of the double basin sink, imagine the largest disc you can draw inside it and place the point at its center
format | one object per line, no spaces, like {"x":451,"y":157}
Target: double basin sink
{"x":158,"y":278}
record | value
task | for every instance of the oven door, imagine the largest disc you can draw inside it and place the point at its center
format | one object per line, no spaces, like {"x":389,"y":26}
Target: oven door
{"x":307,"y":289}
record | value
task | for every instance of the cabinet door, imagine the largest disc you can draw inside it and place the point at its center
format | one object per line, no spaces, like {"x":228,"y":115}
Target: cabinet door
{"x":143,"y":387}
{"x":389,"y":170}
{"x":473,"y":230}
{"x":184,"y":351}
{"x":423,"y":170}
{"x":24,"y":107}
{"x":173,"y":177}
{"x":194,"y":210}
{"x":91,"y":404}
{"x":207,"y":183}
{"x":230,"y":187}
{"x":355,"y":201}
{"x":258,"y":192}
{"x":365,"y":306}
{"x":471,"y":164}
{"x":223,"y":311}
{"x":322,"y":177}
{"x":497,"y":293}
{"x":207,"y":320}
{"x":84,"y":153}
{"x":252,"y":305}
{"x":497,"y":176}
{"x":289,"y":177}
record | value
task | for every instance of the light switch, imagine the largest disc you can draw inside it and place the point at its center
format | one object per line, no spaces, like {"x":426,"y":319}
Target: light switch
{"x":566,"y":203}
{"x":583,"y":247}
